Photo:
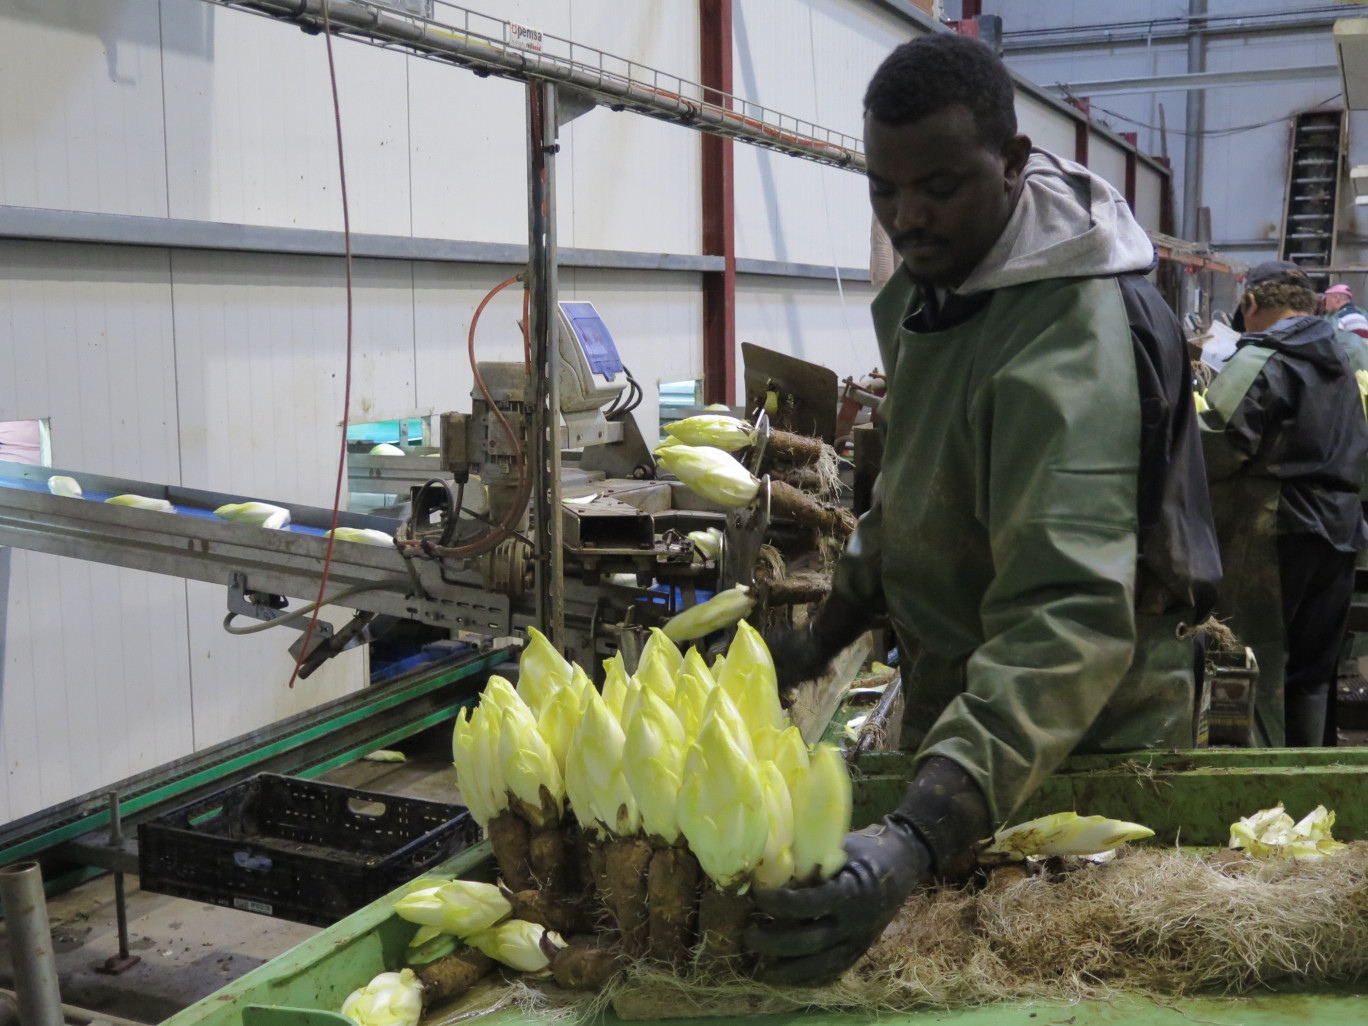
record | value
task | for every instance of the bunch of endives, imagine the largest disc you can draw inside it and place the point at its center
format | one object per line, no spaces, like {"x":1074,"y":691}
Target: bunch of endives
{"x":677,"y":752}
{"x":391,"y":999}
{"x":476,"y":913}
{"x":711,"y":472}
{"x":718,"y":430}
{"x":501,"y":757}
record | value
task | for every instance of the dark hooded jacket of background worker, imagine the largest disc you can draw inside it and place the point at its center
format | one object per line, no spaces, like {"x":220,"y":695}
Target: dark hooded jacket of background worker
{"x":1285,"y":441}
{"x":1040,"y":538}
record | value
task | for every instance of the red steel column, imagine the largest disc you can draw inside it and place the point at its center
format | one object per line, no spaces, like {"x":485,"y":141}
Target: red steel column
{"x":1134,"y":139}
{"x":1081,"y":128}
{"x":719,"y":209}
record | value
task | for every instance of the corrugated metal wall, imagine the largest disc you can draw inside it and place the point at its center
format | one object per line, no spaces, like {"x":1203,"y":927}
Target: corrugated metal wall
{"x":222,"y":369}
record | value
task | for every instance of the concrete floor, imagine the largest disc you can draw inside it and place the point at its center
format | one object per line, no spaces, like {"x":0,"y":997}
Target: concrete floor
{"x":188,"y":949}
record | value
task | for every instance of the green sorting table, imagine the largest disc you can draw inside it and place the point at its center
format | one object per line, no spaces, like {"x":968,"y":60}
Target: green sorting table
{"x":1187,"y":797}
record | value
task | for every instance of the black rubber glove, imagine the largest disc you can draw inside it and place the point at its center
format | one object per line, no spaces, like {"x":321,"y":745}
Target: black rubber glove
{"x":803,"y":653}
{"x":817,"y":933}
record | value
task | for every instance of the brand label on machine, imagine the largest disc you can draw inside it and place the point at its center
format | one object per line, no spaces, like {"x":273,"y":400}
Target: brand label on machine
{"x":524,"y":37}
{"x":248,"y":905}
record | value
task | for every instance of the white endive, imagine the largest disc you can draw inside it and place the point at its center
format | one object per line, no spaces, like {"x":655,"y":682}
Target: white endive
{"x":691,"y":701}
{"x":391,"y":999}
{"x":708,"y":543}
{"x":59,"y":484}
{"x":791,"y":756}
{"x":460,"y":907}
{"x":656,"y":675}
{"x":695,"y":663}
{"x":385,"y":449}
{"x":720,"y":430}
{"x":653,"y":762}
{"x":528,"y":765}
{"x":660,"y":644}
{"x":720,"y":705}
{"x":141,"y":502}
{"x":557,"y":722}
{"x":594,"y":780}
{"x":541,"y":670}
{"x":519,"y":944}
{"x":364,"y":536}
{"x":722,"y":805}
{"x":718,"y":612}
{"x":263,"y":514}
{"x":747,"y":657}
{"x":776,"y":864}
{"x":710,"y":472}
{"x":1065,"y":833}
{"x":821,"y":815}
{"x":615,"y":683}
{"x":474,"y":751}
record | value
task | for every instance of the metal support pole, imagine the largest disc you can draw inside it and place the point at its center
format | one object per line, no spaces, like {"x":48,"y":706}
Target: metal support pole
{"x":1196,"y":119}
{"x":30,"y":942}
{"x":123,"y":961}
{"x":543,"y":434}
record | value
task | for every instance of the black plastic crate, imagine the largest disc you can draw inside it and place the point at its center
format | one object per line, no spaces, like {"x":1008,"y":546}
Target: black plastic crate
{"x":297,"y":849}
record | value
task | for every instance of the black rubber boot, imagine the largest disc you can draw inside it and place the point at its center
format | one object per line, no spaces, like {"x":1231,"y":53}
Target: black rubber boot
{"x":1306,"y":716}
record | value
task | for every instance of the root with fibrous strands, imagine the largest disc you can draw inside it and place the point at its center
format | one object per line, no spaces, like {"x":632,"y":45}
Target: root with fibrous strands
{"x":672,"y":894}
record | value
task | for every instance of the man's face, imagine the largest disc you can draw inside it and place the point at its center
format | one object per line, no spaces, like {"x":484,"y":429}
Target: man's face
{"x":1334,"y":300}
{"x":941,"y":195}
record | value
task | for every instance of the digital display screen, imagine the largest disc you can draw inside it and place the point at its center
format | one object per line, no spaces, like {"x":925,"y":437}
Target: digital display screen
{"x":594,"y":339}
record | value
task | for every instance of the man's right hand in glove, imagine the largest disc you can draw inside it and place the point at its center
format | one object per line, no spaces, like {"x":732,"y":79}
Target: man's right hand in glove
{"x":817,"y":933}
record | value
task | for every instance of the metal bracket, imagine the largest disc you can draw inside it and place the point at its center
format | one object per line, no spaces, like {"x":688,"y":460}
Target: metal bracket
{"x":265,"y":607}
{"x":571,"y":103}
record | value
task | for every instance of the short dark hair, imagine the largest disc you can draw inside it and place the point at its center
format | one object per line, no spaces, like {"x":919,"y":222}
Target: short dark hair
{"x":940,"y":70}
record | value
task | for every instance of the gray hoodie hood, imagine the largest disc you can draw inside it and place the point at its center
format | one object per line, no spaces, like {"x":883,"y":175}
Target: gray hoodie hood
{"x":1067,"y":223}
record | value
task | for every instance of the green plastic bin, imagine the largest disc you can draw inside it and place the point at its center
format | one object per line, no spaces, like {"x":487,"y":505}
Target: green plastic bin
{"x":1190,"y":797}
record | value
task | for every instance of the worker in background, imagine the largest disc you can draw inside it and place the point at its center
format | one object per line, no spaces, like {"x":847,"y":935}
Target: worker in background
{"x":1341,"y":312}
{"x":1040,"y":539}
{"x":1285,"y":441}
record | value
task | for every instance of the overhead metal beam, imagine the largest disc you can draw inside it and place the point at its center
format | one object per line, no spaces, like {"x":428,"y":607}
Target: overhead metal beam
{"x":1174,"y":30}
{"x":1199,"y":80}
{"x":490,"y":46}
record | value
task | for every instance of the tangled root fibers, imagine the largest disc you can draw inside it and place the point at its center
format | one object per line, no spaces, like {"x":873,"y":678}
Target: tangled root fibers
{"x":1158,"y":922}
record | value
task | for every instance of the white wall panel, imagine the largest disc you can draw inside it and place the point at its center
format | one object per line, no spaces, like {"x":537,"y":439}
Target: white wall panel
{"x":1149,"y":196}
{"x":634,"y":183}
{"x":468,"y":156}
{"x":1108,"y":161}
{"x":95,"y":677}
{"x":241,"y":683}
{"x":810,"y":320}
{"x":81,"y":106}
{"x":809,"y":60}
{"x":250,"y":133}
{"x":444,"y":300}
{"x":1045,"y":126}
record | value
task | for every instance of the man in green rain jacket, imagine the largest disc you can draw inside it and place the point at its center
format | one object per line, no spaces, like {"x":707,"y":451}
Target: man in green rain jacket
{"x":1041,"y":538}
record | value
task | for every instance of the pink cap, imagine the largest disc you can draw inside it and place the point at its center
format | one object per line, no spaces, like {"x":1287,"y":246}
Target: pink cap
{"x":1339,"y":290}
